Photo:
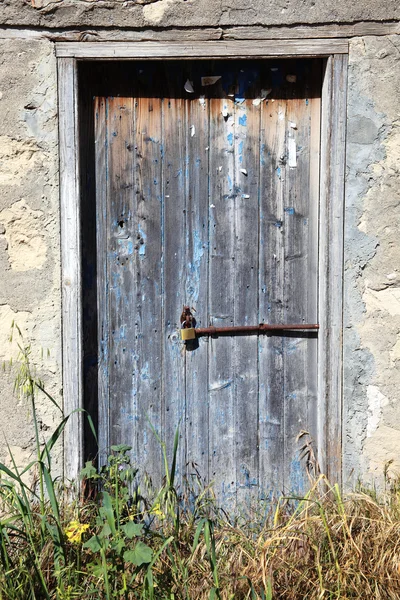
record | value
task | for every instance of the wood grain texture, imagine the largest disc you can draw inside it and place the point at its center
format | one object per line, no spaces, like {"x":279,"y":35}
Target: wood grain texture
{"x":333,"y":128}
{"x":207,"y":204}
{"x":196,"y":293}
{"x":221,"y":384}
{"x":99,"y":35}
{"x":245,"y":265}
{"x":300,"y":285}
{"x":221,"y":48}
{"x":271,"y":265}
{"x":147,"y":146}
{"x":71,"y":262}
{"x":101,"y":170}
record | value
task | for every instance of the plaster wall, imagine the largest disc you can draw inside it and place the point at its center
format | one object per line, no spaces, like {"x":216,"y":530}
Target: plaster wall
{"x":29,"y":204}
{"x":372,"y":259}
{"x":29,"y":236}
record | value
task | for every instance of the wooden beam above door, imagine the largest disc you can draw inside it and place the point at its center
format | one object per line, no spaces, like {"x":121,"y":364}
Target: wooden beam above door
{"x":200,"y":50}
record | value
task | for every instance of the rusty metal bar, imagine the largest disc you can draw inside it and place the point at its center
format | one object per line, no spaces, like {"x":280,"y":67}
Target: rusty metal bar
{"x":254,"y":329}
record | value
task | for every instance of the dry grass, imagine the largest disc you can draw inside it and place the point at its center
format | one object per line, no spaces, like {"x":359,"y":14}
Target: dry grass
{"x":325,"y":547}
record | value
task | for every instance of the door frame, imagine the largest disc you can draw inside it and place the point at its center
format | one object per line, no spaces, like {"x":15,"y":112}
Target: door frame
{"x":331,"y":218}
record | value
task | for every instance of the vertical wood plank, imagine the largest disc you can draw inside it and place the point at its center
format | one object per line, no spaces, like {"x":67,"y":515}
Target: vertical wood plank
{"x":174,"y":265}
{"x":71,"y":263}
{"x":313,"y":251}
{"x":333,"y":127}
{"x":246,"y":192}
{"x":119,"y":254}
{"x":271,"y":266}
{"x":222,"y":295}
{"x":101,"y":169}
{"x":145,"y":297}
{"x":197,"y":428}
{"x":299,"y":283}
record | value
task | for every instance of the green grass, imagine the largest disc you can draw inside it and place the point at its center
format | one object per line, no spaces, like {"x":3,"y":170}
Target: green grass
{"x":115,"y":540}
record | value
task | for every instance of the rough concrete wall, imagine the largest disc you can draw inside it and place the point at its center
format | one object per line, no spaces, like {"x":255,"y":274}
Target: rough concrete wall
{"x":190,"y":13}
{"x":372,"y":259}
{"x":29,"y":232}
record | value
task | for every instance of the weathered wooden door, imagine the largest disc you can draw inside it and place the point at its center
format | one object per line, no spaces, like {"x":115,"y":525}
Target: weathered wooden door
{"x":207,"y":180}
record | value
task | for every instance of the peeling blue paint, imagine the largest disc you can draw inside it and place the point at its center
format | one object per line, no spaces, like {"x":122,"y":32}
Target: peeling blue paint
{"x":296,"y":477}
{"x":229,"y":137}
{"x":193,"y":284}
{"x":243,"y":120}
{"x":278,"y":172}
{"x":142,"y":248}
{"x":289,"y":210}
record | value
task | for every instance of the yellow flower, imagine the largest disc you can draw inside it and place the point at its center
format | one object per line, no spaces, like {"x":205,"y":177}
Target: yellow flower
{"x":156,"y":510}
{"x":74,"y":531}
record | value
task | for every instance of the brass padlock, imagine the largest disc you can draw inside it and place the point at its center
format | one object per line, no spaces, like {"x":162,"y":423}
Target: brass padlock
{"x":188,"y":333}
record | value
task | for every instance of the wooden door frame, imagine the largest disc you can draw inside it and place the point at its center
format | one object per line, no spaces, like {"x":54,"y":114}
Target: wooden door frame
{"x":331,"y":217}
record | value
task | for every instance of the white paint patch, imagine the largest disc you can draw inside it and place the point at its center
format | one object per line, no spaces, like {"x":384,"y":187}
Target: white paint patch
{"x":376,"y":402}
{"x":192,"y":130}
{"x":155,"y":12}
{"x":23,"y":231}
{"x":387,"y":300}
{"x":292,"y":152}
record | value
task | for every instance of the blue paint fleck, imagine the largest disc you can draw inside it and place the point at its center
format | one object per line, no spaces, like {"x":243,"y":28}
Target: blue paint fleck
{"x":239,"y":100}
{"x":306,"y":101}
{"x":289,"y":210}
{"x":278,"y":172}
{"x":229,"y":137}
{"x":278,"y":223}
{"x":144,"y":373}
{"x":243,"y":120}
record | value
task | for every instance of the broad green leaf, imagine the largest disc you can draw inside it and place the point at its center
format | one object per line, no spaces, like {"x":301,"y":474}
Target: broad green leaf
{"x":121,"y":448}
{"x":93,"y":544}
{"x":108,"y":511}
{"x":132,"y":529}
{"x":118,"y":546}
{"x":89,"y":471}
{"x":140,"y":555}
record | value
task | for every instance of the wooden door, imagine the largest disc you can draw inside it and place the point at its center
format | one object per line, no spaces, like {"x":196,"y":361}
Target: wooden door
{"x":207,"y":179}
